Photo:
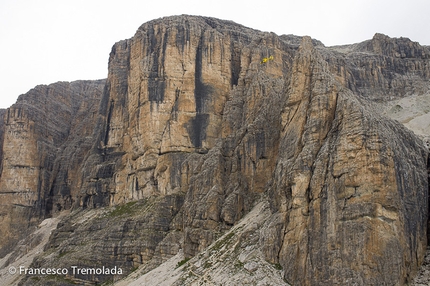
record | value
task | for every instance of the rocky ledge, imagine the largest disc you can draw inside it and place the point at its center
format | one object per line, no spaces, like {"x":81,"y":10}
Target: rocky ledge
{"x":211,"y":144}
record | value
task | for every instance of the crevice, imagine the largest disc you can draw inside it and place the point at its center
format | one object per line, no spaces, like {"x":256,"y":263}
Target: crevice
{"x":291,"y":119}
{"x":16,"y":192}
{"x":22,"y":206}
{"x":173,"y":114}
{"x":109,"y":118}
{"x":235,"y":65}
{"x":332,"y":128}
{"x":172,"y":152}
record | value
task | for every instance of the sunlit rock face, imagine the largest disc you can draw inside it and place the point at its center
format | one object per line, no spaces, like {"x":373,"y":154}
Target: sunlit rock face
{"x":199,"y":121}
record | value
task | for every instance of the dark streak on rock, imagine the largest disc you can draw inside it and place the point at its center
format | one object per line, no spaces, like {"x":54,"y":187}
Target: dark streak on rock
{"x":197,"y":126}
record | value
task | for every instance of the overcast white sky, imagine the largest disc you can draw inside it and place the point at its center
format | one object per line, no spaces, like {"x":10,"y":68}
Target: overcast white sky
{"x":45,"y":41}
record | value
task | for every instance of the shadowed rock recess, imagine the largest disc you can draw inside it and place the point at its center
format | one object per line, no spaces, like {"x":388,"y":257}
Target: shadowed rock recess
{"x":278,"y":172}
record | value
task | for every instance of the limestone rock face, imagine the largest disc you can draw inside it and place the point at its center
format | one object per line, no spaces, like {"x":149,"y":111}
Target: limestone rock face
{"x":2,"y":113}
{"x":343,"y":182}
{"x":45,"y":137}
{"x":382,"y":68}
{"x":203,"y":121}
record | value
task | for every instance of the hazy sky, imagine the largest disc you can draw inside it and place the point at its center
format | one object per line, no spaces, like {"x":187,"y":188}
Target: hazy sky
{"x":44,"y":41}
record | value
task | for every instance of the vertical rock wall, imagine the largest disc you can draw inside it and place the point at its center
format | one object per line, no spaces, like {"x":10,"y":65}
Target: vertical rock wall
{"x":191,"y":113}
{"x":37,"y":132}
{"x":350,"y":187}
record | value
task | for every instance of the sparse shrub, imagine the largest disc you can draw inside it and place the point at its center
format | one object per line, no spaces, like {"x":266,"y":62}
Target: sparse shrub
{"x":277,"y":266}
{"x":182,"y":262}
{"x":125,"y":209}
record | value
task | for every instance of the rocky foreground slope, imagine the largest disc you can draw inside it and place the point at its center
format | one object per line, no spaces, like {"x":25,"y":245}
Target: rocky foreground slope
{"x":264,"y":158}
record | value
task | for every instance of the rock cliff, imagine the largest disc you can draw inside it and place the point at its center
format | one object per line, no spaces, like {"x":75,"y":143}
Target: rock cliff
{"x":46,"y":135}
{"x":227,"y":145}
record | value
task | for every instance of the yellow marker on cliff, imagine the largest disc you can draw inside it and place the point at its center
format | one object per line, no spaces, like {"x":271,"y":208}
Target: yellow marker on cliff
{"x":265,"y":60}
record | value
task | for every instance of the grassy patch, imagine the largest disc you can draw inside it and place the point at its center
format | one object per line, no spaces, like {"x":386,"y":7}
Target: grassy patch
{"x":277,"y":266}
{"x":182,"y":262}
{"x":125,"y":209}
{"x":108,"y":282}
{"x":219,"y":244}
{"x":238,"y":264}
{"x":64,"y":253}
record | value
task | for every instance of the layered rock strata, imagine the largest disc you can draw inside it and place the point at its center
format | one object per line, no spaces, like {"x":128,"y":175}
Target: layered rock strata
{"x":198,"y":128}
{"x":46,"y":135}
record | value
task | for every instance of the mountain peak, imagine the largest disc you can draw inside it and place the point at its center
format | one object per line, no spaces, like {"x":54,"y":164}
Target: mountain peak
{"x":224,"y":145}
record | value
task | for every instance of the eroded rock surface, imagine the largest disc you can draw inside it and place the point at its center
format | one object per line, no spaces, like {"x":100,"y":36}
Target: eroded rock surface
{"x":46,"y":135}
{"x":202,"y":121}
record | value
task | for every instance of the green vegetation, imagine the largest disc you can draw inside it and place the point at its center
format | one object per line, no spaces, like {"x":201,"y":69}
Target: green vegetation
{"x":108,"y":282}
{"x":125,"y":209}
{"x":277,"y":266}
{"x":182,"y":262}
{"x":219,"y":244}
{"x":64,"y":253}
{"x":238,"y":264}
